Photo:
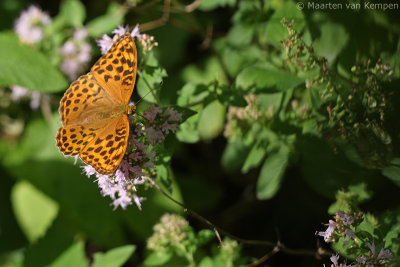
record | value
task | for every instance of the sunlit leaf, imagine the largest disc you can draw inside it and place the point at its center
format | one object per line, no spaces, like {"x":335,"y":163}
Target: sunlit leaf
{"x":24,"y":66}
{"x":113,"y":258}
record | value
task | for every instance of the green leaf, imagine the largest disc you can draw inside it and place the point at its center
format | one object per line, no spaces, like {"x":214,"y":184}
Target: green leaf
{"x":11,"y":235}
{"x":208,"y":5}
{"x":206,"y":262}
{"x":22,"y":65}
{"x":275,"y":30}
{"x":192,"y":94}
{"x":48,"y":248}
{"x":205,"y":235}
{"x":234,"y":154}
{"x":74,"y":256}
{"x":255,"y":156}
{"x":107,"y":22}
{"x":240,"y":35}
{"x":211,"y":121}
{"x":272,"y":173}
{"x":393,"y":171}
{"x":264,"y":77}
{"x":206,"y":73}
{"x":35,"y":211}
{"x":332,"y":40}
{"x":158,"y":258}
{"x":392,"y":236}
{"x":150,"y":81}
{"x":188,"y":130}
{"x":229,"y":96}
{"x":163,"y":175}
{"x":113,"y":258}
{"x":73,"y":12}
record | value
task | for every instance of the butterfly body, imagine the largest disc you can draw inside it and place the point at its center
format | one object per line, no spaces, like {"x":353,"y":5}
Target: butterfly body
{"x":94,"y":110}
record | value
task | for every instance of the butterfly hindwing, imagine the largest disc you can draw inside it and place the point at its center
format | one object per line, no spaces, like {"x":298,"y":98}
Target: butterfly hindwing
{"x":106,"y":150}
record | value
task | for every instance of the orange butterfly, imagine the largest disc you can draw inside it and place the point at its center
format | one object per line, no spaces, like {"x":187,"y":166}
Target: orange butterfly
{"x":94,"y":110}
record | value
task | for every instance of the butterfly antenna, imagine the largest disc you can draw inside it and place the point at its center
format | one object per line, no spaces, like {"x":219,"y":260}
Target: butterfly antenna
{"x":148,"y":92}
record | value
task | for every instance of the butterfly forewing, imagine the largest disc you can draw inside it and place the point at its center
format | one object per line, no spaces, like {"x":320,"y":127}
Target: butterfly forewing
{"x":116,"y":70}
{"x":84,"y":101}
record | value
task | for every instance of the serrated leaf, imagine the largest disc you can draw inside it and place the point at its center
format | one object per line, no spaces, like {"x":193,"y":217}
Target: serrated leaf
{"x":74,"y":256}
{"x":113,"y":258}
{"x":271,"y":173}
{"x":73,"y":12}
{"x":22,"y":65}
{"x":34,"y":210}
{"x":264,"y":77}
{"x":211,"y":121}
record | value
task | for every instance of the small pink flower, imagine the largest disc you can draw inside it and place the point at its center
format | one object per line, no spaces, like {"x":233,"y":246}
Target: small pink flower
{"x":123,"y":200}
{"x":166,"y":127}
{"x":80,"y":34}
{"x":371,"y":247}
{"x":71,"y":68}
{"x":385,"y":254}
{"x":120,"y":30}
{"x":151,"y":113}
{"x":88,"y":170}
{"x":138,"y":201}
{"x":154,"y":136}
{"x":334,"y":259}
{"x":105,"y":43}
{"x":76,"y":54}
{"x":173,"y":115}
{"x":29,"y":26}
{"x":328,"y":232}
{"x":68,"y":48}
{"x":18,"y":92}
{"x":106,"y":186}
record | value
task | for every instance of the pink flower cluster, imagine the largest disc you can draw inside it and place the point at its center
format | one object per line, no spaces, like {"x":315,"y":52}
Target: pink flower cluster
{"x":147,"y":132}
{"x":106,"y":42}
{"x":30,"y":24}
{"x":29,"y":27}
{"x":341,"y":227}
{"x":160,"y":123}
{"x":19,"y":92}
{"x":76,"y":54}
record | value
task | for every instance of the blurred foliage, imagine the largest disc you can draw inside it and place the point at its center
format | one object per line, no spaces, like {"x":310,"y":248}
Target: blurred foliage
{"x":283,"y":110}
